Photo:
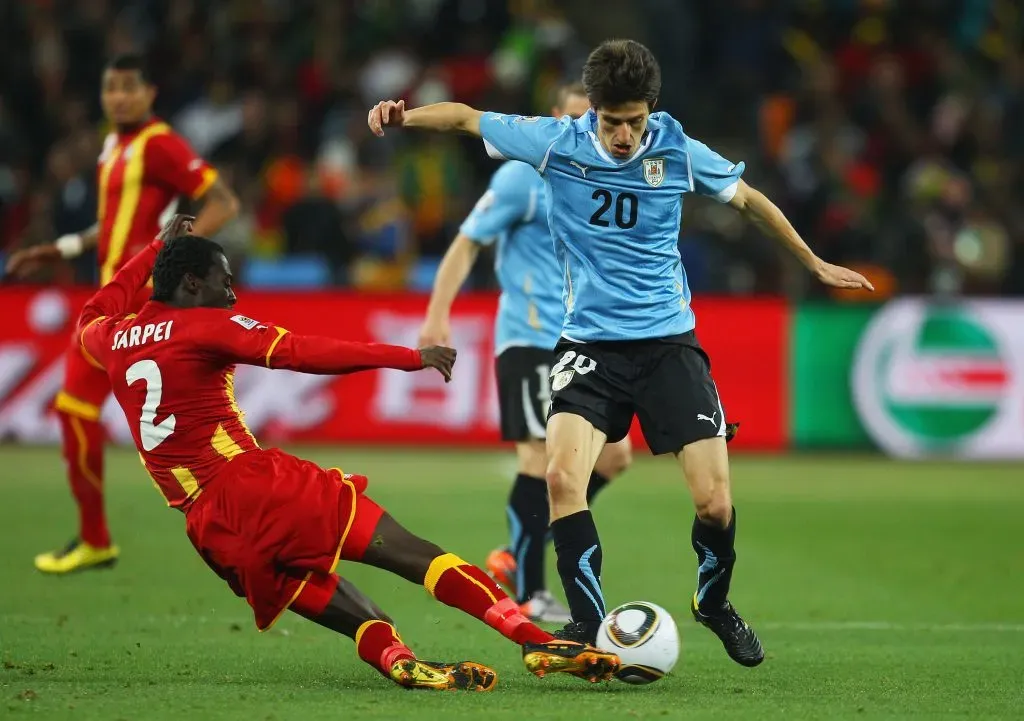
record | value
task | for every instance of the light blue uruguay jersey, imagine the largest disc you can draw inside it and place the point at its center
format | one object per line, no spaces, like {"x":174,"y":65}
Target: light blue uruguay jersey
{"x":615,"y":224}
{"x":514,"y":213}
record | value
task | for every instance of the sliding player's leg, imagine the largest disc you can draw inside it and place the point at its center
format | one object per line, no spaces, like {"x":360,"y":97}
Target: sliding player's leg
{"x":681,"y":413}
{"x":461,"y":585}
{"x":78,"y":408}
{"x":335,"y":603}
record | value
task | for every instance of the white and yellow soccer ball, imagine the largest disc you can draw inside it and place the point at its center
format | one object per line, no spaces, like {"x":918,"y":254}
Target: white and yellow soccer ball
{"x":645,"y":638}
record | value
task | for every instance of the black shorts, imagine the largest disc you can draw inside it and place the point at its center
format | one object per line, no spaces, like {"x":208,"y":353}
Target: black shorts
{"x":665,"y":382}
{"x":524,"y":392}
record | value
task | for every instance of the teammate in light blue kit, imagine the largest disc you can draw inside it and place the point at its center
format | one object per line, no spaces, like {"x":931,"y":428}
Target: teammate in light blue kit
{"x":513,"y":215}
{"x":628,"y":346}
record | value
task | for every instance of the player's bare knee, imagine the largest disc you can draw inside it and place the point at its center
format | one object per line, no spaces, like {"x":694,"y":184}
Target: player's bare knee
{"x":715,"y":507}
{"x":563,"y":485}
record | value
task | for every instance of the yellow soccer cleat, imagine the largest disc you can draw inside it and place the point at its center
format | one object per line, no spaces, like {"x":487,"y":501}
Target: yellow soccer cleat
{"x":575,"y":659}
{"x":77,"y":556}
{"x":432,"y":676}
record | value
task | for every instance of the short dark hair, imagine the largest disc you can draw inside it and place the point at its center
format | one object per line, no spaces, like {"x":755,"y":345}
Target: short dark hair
{"x":131,"y":61}
{"x":184,"y":254}
{"x":622,"y":71}
{"x":561,"y":95}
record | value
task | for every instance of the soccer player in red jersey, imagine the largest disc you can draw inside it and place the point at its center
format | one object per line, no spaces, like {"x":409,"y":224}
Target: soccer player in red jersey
{"x":270,"y":524}
{"x":143,"y":170}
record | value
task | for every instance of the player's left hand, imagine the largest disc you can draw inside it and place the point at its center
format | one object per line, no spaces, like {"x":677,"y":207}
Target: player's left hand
{"x":180,"y":224}
{"x":386,"y":113}
{"x":839,"y":277}
{"x":440,"y":357}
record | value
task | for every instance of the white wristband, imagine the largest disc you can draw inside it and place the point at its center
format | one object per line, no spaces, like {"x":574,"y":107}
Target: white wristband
{"x":70,"y":246}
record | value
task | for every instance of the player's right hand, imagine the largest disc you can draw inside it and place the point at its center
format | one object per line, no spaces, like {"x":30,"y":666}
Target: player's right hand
{"x":27,"y":261}
{"x":435,"y":332}
{"x":386,"y":113}
{"x":180,"y":224}
{"x":439,"y":357}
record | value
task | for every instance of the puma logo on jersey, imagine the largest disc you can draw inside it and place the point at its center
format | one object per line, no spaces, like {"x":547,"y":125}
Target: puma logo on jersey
{"x":140,"y":335}
{"x":711,"y":419}
{"x":582,"y":168}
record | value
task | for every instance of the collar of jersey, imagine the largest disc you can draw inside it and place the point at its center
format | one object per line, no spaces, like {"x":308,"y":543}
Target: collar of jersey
{"x":591,"y":120}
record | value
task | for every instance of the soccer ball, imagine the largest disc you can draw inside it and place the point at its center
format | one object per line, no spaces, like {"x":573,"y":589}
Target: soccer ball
{"x":645,"y":638}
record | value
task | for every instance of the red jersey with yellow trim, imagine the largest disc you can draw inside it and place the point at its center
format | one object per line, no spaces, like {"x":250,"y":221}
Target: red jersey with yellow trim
{"x":172,"y":372}
{"x":141,"y":173}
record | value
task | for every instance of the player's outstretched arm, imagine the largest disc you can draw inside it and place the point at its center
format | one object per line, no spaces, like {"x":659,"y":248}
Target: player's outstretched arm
{"x":237,"y":339}
{"x":451,"y":275}
{"x":443,"y":117}
{"x":27,"y":261}
{"x":115,"y":297}
{"x":758,"y":209}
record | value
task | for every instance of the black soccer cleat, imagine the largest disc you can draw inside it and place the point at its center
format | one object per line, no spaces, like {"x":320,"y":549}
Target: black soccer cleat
{"x":739,"y":639}
{"x":579,"y":631}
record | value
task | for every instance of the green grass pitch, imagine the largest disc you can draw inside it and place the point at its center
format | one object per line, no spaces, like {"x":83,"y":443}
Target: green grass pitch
{"x":880,"y":590}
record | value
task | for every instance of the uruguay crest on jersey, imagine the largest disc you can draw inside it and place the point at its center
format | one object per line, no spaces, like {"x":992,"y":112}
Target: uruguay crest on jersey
{"x":654,"y":171}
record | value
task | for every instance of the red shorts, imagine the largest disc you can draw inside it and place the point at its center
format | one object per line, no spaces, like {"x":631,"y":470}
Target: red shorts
{"x":275,"y":526}
{"x":86,"y":386}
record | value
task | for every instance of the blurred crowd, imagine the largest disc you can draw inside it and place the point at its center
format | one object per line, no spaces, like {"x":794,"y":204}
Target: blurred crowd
{"x":891,"y":133}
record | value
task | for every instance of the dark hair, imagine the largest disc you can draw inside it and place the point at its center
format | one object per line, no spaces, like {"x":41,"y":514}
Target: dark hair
{"x":184,"y":254}
{"x":562,"y":93}
{"x":621,"y":71}
{"x":131,"y":61}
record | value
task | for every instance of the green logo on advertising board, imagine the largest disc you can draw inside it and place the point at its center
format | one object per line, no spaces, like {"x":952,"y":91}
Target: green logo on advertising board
{"x":928,"y":378}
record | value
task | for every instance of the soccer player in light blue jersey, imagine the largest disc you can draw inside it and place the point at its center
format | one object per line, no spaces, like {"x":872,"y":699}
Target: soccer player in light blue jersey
{"x":616,"y":178}
{"x":513,"y":216}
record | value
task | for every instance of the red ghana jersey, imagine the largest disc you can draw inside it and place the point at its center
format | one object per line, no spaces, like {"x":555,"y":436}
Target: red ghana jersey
{"x":172,"y":372}
{"x":140,"y":174}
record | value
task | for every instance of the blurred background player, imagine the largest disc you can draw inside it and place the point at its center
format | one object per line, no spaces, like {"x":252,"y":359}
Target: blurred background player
{"x":514,"y":213}
{"x":272,"y":525}
{"x":143,"y":170}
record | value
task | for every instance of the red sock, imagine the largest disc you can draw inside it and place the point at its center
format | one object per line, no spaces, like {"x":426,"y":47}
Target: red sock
{"x":83,"y":454}
{"x":379,"y":644}
{"x":460,"y":585}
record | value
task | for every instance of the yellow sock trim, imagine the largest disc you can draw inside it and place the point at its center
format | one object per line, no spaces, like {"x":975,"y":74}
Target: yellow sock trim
{"x":447,"y":562}
{"x":437,"y":568}
{"x":362,"y":629}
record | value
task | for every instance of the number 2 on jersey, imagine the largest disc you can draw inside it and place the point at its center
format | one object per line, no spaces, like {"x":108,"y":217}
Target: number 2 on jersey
{"x":152,"y":433}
